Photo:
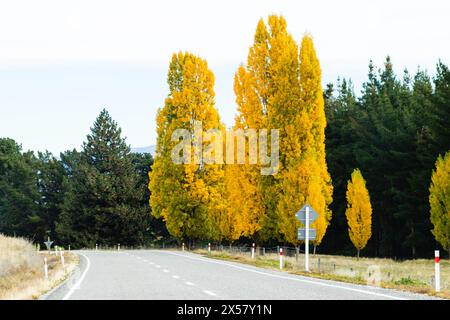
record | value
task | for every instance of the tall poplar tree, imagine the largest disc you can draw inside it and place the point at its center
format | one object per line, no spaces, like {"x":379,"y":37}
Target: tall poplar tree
{"x":305,"y":177}
{"x":359,"y":211}
{"x":440,"y":201}
{"x":187,"y":196}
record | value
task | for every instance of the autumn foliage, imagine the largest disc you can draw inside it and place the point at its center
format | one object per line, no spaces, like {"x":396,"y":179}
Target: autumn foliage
{"x":359,"y":211}
{"x":278,"y":88}
{"x":440,"y":201}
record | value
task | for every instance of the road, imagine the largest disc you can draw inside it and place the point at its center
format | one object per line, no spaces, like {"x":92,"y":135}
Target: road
{"x":176,"y":275}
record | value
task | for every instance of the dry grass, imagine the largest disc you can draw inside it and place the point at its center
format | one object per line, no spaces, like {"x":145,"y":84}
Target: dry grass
{"x":22,"y":269}
{"x":409,"y":275}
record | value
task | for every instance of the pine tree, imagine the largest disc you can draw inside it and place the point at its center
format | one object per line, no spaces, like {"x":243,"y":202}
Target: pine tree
{"x":102,"y":204}
{"x":440,"y":201}
{"x":50,"y":176}
{"x":187,"y":196}
{"x":359,"y":211}
{"x":19,"y":196}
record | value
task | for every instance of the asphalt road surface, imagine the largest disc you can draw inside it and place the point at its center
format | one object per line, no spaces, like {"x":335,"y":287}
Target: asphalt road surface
{"x":163,"y":274}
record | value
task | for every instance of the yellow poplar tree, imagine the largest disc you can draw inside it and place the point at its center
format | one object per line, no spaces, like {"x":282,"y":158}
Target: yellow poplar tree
{"x":305,"y":177}
{"x":245,"y":194}
{"x":440,"y":201}
{"x":187,"y":196}
{"x":359,"y":211}
{"x":280,"y":88}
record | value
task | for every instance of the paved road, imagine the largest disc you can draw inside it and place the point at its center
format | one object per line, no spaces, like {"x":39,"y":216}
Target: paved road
{"x":158,"y":274}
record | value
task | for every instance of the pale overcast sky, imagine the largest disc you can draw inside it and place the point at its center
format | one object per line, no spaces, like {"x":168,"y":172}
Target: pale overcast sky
{"x":61,"y":61}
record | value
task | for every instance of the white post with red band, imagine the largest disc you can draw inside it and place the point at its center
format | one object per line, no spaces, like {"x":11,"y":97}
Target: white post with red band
{"x":253,"y":251}
{"x":45,"y":268}
{"x":281,"y":258}
{"x":437,"y":272}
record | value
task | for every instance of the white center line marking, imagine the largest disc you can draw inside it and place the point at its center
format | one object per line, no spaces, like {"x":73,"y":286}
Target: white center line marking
{"x":209,"y":293}
{"x":319,"y":283}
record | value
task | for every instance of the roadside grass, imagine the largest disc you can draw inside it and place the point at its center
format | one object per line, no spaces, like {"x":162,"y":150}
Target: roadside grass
{"x":408,"y":275}
{"x":22,"y":269}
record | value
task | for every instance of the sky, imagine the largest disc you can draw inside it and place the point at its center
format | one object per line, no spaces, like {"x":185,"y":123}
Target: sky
{"x":61,"y":62}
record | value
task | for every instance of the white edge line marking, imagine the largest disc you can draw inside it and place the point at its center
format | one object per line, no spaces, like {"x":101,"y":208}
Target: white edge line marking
{"x":77,"y":285}
{"x":290,"y":278}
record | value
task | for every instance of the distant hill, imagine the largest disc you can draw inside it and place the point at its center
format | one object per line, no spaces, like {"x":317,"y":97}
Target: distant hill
{"x":149,"y":149}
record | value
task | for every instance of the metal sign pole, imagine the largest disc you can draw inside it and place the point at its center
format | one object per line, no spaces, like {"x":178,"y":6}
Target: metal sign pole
{"x":307,"y":240}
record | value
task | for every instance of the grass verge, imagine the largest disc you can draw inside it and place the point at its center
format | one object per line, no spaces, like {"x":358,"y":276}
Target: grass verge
{"x":22,"y":269}
{"x":410,"y":275}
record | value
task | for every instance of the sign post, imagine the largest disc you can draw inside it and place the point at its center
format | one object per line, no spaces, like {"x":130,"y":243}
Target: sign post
{"x":307,"y":215}
{"x":307,"y":240}
{"x":48,"y":244}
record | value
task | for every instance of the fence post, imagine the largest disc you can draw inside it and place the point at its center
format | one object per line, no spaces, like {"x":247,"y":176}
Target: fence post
{"x":264,"y":251}
{"x":437,"y":272}
{"x":318,"y":264}
{"x":281,"y":258}
{"x":296,"y":253}
{"x":45,"y":268}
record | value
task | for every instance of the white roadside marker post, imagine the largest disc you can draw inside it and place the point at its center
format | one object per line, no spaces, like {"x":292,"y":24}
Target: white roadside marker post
{"x":281,"y":258}
{"x":307,"y":241}
{"x":182,"y":247}
{"x":437,"y":272}
{"x":253,"y":251}
{"x":62,"y":258}
{"x":118,"y":247}
{"x":209,"y":248}
{"x":96,"y":247}
{"x":45,"y":268}
{"x":69,"y":247}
